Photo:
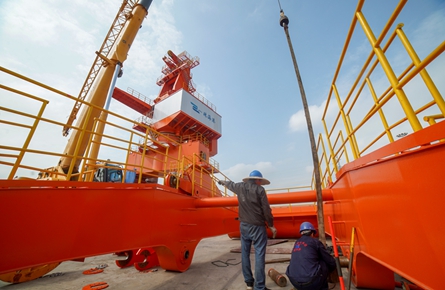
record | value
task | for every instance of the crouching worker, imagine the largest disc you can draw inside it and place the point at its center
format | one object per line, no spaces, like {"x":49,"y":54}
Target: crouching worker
{"x":310,"y":262}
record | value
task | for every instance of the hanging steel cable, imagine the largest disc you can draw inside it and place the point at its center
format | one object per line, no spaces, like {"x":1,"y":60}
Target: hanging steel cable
{"x":284,"y":21}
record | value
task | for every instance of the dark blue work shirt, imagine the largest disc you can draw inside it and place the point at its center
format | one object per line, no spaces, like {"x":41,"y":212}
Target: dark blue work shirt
{"x":309,"y":258}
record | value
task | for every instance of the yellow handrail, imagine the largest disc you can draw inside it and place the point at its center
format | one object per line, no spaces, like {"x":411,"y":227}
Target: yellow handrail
{"x":17,"y":154}
{"x":359,"y":129}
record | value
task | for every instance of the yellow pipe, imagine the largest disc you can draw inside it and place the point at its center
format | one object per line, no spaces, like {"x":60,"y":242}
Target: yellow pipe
{"x":5,"y":70}
{"x":90,"y":162}
{"x":435,"y":53}
{"x":328,"y":170}
{"x":27,"y":141}
{"x":343,"y":53}
{"x":432,"y":119}
{"x":344,"y":148}
{"x":345,"y":121}
{"x":127,"y":156}
{"x":331,"y":150}
{"x":351,"y":136}
{"x":423,"y":73}
{"x":390,"y":22}
{"x":382,"y":115}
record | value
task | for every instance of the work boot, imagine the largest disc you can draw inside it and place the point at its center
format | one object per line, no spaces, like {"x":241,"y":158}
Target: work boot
{"x":249,"y":286}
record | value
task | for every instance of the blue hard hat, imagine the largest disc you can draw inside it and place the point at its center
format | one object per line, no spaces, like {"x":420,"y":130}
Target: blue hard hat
{"x":307,"y":226}
{"x":257,"y":175}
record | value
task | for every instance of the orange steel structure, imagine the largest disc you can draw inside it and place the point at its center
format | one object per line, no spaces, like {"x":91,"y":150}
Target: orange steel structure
{"x":388,"y":191}
{"x":168,"y":176}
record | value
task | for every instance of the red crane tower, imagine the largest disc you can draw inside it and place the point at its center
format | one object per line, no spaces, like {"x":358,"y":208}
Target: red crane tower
{"x":188,"y":122}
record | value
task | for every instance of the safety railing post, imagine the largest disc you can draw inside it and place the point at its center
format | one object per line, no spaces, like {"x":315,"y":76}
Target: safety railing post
{"x":27,"y":141}
{"x":328,"y":139}
{"x":381,"y":114}
{"x":401,"y":96}
{"x":423,"y":73}
{"x":328,"y":169}
{"x":345,"y":122}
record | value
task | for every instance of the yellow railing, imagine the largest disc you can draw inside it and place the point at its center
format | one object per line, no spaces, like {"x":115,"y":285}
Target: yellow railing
{"x":357,"y":134}
{"x":203,"y":174}
{"x":288,"y":189}
{"x":31,"y":143}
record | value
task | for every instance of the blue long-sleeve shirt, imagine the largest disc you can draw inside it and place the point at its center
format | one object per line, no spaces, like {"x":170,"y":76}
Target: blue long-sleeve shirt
{"x":309,"y":258}
{"x":254,"y":208}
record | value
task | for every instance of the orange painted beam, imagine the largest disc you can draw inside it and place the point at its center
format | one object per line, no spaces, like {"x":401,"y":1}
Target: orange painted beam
{"x":51,"y":221}
{"x":131,"y":101}
{"x":274,"y":198}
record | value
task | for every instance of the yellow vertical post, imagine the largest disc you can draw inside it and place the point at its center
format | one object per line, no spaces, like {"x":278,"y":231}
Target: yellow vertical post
{"x":331,"y":150}
{"x":351,"y":136}
{"x":127,"y":156}
{"x":144,"y":150}
{"x":381,"y":114}
{"x":346,"y":151}
{"x":28,"y":140}
{"x":346,"y":123}
{"x":87,"y":162}
{"x":423,"y":73}
{"x":328,"y":169}
{"x":406,"y":106}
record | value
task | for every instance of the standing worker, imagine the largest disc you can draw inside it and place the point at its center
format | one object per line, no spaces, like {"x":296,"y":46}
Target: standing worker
{"x":254,"y":213}
{"x":310,"y":262}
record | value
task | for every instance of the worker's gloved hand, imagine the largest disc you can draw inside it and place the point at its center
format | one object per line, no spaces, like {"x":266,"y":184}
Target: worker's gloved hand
{"x":274,"y":232}
{"x":220,"y":182}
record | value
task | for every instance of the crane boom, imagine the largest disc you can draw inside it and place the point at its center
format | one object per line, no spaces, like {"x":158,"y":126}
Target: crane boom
{"x":110,"y":40}
{"x":103,"y":70}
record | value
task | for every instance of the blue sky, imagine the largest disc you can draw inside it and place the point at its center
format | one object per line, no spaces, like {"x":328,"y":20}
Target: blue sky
{"x":245,"y":66}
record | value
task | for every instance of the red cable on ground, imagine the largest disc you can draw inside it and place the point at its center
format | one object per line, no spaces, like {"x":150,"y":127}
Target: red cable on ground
{"x":337,"y":259}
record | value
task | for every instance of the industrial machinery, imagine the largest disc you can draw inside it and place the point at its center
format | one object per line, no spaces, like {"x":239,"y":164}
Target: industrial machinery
{"x":164,"y":165}
{"x":168,"y":175}
{"x":109,"y":173}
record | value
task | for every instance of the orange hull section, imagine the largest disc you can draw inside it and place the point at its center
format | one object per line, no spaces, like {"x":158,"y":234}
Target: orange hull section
{"x":396,"y":205}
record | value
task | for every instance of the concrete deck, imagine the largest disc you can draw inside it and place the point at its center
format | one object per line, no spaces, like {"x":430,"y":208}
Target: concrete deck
{"x":207,"y":271}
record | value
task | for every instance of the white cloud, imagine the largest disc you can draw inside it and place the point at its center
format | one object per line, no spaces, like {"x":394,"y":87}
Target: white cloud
{"x":256,"y":13}
{"x":158,"y":35}
{"x":430,"y":33}
{"x":297,"y":121}
{"x":41,"y":28}
{"x":56,"y":46}
{"x":309,"y":169}
{"x":239,"y":171}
